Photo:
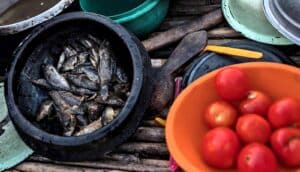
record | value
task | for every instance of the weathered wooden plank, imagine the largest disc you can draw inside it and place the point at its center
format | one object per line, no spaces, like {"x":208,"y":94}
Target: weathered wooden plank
{"x":149,"y":134}
{"x":157,"y":149}
{"x":46,"y":167}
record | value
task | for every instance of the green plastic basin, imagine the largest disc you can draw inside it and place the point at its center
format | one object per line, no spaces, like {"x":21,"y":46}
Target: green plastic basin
{"x":247,"y":17}
{"x":139,"y":16}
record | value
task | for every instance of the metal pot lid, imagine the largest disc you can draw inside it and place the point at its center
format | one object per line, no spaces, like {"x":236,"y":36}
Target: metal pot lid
{"x":248,"y":18}
{"x":12,"y":149}
{"x":284,"y":16}
{"x":35,"y":20}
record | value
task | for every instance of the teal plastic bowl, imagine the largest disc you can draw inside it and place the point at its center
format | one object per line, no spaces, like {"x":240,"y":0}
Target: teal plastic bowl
{"x":139,"y":16}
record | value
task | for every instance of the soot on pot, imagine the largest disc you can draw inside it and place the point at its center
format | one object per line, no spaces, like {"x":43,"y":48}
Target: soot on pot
{"x":81,"y":86}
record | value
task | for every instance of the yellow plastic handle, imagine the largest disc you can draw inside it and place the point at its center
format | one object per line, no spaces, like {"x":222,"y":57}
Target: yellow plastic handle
{"x":234,"y":51}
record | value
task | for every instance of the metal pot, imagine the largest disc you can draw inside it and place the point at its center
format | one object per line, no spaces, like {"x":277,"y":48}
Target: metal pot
{"x":22,"y":25}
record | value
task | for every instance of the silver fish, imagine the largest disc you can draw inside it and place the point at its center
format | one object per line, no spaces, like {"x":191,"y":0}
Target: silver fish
{"x":78,"y":48}
{"x":105,"y":68}
{"x":121,"y":76}
{"x":82,"y":91}
{"x":68,"y":121}
{"x":69,"y":51}
{"x":61,"y":60}
{"x":81,"y":68}
{"x":82,"y":120}
{"x":121,"y":89}
{"x":91,"y":74}
{"x":82,"y":58}
{"x":54,"y":78}
{"x":94,"y":39}
{"x":46,"y":109}
{"x":71,"y":99}
{"x":108,"y":115}
{"x":69,"y":64}
{"x":90,"y":128}
{"x":94,"y":57}
{"x":64,"y":103}
{"x":94,"y":110}
{"x":42,"y":83}
{"x":111,"y":101}
{"x":82,"y":81}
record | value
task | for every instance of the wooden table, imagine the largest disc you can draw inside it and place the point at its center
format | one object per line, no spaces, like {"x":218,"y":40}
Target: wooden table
{"x":146,"y":150}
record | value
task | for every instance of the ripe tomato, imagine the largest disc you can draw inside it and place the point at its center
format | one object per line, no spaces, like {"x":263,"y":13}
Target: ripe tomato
{"x":232,"y":84}
{"x":253,"y":128}
{"x":256,"y":157}
{"x":220,"y":114}
{"x":257,"y":102}
{"x":284,"y":112}
{"x":220,"y":148}
{"x":286,"y":144}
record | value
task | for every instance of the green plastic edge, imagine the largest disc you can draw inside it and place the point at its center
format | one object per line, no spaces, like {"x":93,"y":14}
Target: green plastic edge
{"x":9,"y":128}
{"x":248,"y":32}
{"x":133,"y":13}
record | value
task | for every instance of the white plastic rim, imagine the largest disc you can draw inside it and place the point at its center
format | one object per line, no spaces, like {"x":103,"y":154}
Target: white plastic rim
{"x":33,"y":21}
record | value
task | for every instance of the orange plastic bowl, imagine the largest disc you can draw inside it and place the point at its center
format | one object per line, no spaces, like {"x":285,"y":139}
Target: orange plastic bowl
{"x":185,"y":126}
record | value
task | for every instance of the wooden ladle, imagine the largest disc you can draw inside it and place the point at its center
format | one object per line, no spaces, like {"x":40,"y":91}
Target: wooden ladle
{"x":163,"y":79}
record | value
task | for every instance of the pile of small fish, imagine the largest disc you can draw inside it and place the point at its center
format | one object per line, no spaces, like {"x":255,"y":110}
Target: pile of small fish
{"x":87,"y":89}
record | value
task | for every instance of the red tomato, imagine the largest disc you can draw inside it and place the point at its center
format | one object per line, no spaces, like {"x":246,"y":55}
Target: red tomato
{"x":286,"y":144}
{"x":232,"y":84}
{"x":257,"y":102}
{"x":253,"y":128}
{"x":220,"y":114}
{"x":284,"y":112}
{"x":256,"y":157}
{"x":220,"y":148}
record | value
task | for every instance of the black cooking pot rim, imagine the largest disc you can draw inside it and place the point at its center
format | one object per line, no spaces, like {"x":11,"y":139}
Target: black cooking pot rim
{"x":136,"y":87}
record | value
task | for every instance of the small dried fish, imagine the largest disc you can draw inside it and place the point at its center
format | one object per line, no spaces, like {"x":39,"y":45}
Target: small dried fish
{"x":82,"y":91}
{"x":105,"y":68}
{"x":54,"y":78}
{"x":121,"y":76}
{"x":82,"y":120}
{"x":111,"y":101}
{"x":42,"y":83}
{"x":90,"y":128}
{"x":108,"y":115}
{"x":81,"y":68}
{"x":78,"y":48}
{"x":91,"y":74}
{"x":82,"y":58}
{"x":61,"y":60}
{"x":69,"y":51}
{"x":82,"y":81}
{"x":94,"y":57}
{"x":71,"y":99}
{"x":69,"y":64}
{"x":121,"y":89}
{"x":64,"y":105}
{"x":46,"y":109}
{"x":68,"y":121}
{"x":94,"y":39}
{"x":94,"y":110}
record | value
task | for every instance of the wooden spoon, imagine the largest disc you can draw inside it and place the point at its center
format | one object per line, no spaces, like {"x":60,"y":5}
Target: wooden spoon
{"x":163,"y":79}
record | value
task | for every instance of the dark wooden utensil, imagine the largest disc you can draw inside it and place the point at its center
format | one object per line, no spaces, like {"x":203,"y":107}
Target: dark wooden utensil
{"x":163,"y":78}
{"x":175,"y":34}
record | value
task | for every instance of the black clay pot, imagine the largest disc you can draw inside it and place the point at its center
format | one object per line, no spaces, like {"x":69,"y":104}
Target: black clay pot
{"x":23,"y":98}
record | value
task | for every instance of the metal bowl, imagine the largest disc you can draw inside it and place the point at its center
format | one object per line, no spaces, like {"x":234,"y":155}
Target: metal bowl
{"x":35,"y":20}
{"x":284,"y":16}
{"x":248,"y":18}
